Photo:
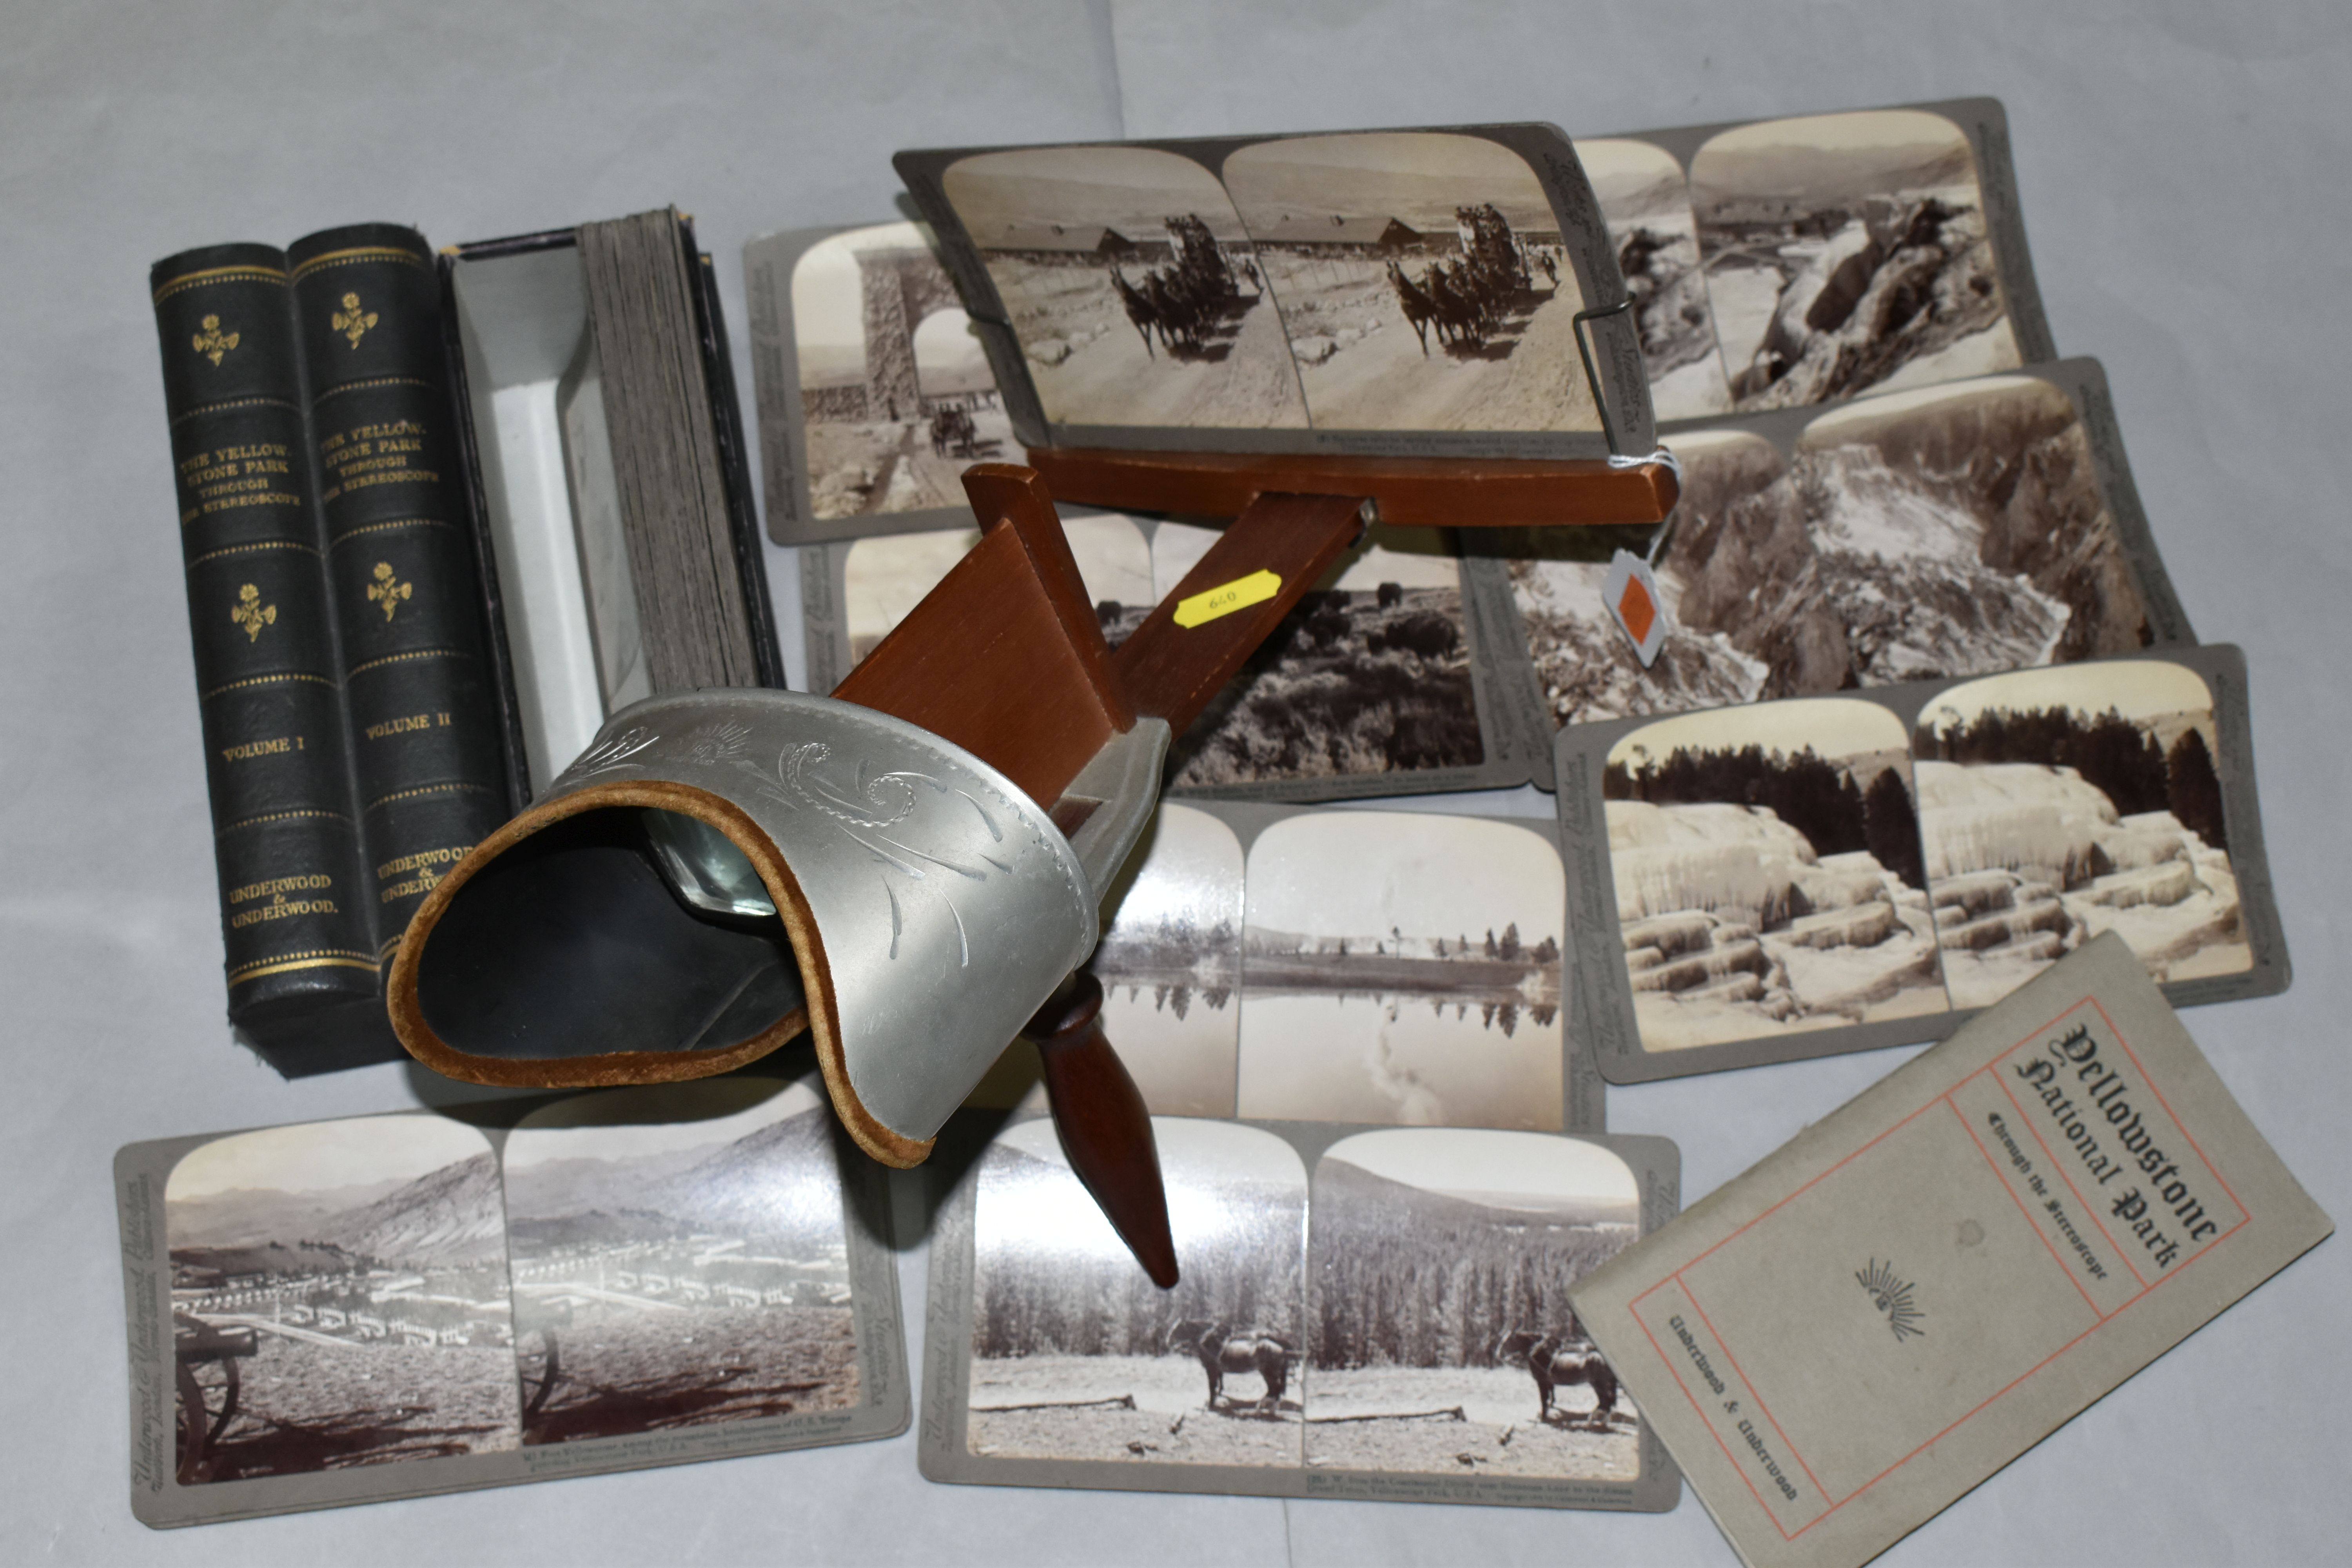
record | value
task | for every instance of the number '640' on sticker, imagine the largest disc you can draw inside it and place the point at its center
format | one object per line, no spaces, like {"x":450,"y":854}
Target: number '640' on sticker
{"x":1226,"y":597}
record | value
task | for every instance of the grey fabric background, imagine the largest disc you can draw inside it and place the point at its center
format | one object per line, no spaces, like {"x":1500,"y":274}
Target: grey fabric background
{"x":2182,"y":167}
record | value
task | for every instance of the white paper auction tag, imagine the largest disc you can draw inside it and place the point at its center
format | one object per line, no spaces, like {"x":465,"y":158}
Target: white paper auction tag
{"x":1632,"y":593}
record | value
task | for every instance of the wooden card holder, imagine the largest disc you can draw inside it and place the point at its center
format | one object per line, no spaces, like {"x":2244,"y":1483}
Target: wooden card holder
{"x":1425,"y":492}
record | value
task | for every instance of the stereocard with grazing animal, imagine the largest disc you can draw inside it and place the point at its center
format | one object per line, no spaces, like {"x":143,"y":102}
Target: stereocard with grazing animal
{"x":1323,"y":1341}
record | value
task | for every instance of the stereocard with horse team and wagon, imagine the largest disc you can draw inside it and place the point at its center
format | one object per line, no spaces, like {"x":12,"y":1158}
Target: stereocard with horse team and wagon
{"x":1365,"y":1312}
{"x":1198,"y":294}
{"x":1382,"y":291}
{"x":393,"y":1305}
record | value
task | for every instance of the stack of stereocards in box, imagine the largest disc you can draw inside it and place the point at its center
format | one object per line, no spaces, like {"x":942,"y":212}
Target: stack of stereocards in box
{"x":1927,"y":718}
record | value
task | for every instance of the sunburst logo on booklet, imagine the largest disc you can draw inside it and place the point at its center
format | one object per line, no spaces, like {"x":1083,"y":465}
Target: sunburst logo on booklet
{"x":1891,"y":1296}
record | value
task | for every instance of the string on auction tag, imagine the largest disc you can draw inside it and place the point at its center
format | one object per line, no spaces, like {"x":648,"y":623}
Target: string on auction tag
{"x":1631,"y":589}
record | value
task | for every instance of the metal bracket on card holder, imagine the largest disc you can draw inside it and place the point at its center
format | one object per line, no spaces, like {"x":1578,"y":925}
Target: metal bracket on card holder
{"x":1591,"y":373}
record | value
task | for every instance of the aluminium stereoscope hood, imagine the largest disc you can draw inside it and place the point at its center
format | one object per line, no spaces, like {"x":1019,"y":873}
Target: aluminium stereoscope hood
{"x":721,"y":870}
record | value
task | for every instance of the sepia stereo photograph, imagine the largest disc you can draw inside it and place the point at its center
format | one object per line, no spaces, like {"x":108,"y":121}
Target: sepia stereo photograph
{"x":1131,"y":285}
{"x":1768,"y":874}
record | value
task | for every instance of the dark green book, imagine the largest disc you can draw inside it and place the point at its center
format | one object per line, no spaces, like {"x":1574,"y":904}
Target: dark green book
{"x":295,"y":917}
{"x":335,"y":615}
{"x":400,"y":557}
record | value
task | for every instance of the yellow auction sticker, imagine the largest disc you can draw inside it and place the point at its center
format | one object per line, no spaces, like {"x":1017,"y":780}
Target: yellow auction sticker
{"x":1226,"y":597}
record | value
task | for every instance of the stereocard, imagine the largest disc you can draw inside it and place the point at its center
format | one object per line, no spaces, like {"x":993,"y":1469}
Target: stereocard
{"x":1830,"y":874}
{"x":1315,"y":1347}
{"x":1960,"y":528}
{"x":1379,"y":967}
{"x":1252,"y":257}
{"x":1382,"y":681}
{"x":394,"y":1306}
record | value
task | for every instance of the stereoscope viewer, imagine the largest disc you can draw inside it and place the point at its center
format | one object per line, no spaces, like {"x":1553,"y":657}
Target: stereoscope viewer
{"x":912,"y":869}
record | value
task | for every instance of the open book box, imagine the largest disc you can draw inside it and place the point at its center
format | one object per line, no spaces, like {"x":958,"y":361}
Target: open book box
{"x":546,"y":446}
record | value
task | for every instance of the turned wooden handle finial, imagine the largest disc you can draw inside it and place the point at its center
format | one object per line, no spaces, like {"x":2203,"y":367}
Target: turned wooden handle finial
{"x":1106,"y":1129}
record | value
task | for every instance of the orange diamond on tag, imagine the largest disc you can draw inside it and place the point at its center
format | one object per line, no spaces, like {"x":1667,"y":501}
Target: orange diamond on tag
{"x":1636,"y":610}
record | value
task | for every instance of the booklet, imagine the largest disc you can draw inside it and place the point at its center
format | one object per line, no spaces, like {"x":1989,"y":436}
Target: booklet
{"x":1377,"y":1313}
{"x":1827,"y":874}
{"x":1366,"y":967}
{"x":1765,"y":265}
{"x":1930,"y":1280}
{"x":392,"y":1306}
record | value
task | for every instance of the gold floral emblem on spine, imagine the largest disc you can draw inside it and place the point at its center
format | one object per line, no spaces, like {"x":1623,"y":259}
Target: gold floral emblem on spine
{"x":353,"y":321}
{"x":387,"y":589}
{"x":251,"y":614}
{"x":212,"y":342}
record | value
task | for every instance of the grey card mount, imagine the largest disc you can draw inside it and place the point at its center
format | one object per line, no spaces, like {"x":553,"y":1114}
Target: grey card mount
{"x":1835,"y":873}
{"x":1386,"y":967}
{"x":1318,"y":1345}
{"x":874,"y":390}
{"x":1788,"y":263}
{"x":1957,"y":529}
{"x":1218,"y":294}
{"x":1385,"y":680}
{"x":395,"y":1306}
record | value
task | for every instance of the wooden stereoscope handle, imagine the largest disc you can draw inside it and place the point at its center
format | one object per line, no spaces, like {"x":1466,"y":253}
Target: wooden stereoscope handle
{"x":1006,"y":658}
{"x":1105,"y":1127}
{"x":1187,"y":647}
